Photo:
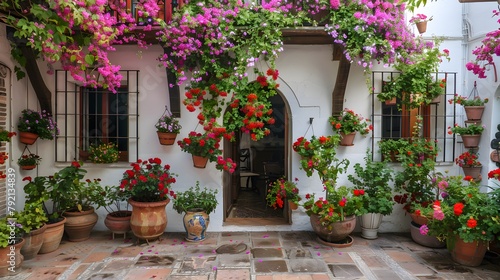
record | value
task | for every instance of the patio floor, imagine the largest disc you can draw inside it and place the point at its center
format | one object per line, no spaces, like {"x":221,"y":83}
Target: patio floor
{"x":251,"y":255}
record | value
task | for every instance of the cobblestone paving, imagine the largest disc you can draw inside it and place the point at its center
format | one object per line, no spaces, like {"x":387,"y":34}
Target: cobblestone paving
{"x":250,"y":255}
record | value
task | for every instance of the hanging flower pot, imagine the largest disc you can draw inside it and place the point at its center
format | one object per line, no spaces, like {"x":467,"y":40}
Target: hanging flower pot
{"x":421,"y":27}
{"x":166,"y":138}
{"x":199,"y":162}
{"x":28,"y":167}
{"x":471,"y":141}
{"x":347,"y":139}
{"x":27,"y":138}
{"x":474,"y":112}
{"x":392,"y":101}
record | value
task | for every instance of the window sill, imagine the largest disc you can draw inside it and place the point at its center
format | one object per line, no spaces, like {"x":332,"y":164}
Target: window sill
{"x":90,"y":165}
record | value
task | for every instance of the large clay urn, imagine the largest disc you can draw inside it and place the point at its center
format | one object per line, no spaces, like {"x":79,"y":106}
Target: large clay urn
{"x":149,"y":219}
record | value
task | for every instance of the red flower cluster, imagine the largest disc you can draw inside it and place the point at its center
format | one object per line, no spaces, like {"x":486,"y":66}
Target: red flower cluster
{"x":458,"y":208}
{"x":3,"y":156}
{"x":471,"y":223}
{"x":148,"y":180}
{"x":494,"y":174}
{"x":467,"y":159}
{"x":358,"y":192}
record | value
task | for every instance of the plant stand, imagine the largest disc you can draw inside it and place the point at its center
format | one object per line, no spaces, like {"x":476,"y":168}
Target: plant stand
{"x":118,"y":222}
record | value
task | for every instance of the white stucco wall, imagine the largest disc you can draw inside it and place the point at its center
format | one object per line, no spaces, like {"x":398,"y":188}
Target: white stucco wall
{"x":307,"y":77}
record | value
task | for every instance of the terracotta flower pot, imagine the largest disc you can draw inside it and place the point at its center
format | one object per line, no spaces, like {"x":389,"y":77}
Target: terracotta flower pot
{"x":5,"y":259}
{"x":471,"y":141}
{"x":28,"y":167}
{"x":347,"y":139}
{"x":79,"y":224}
{"x":149,"y":219}
{"x":166,"y":138}
{"x":199,"y":162}
{"x":34,"y":242}
{"x":474,"y":112}
{"x":118,"y":222}
{"x":469,"y":254}
{"x":424,"y":240}
{"x":52,"y":236}
{"x":335,"y":232}
{"x":293,"y":205}
{"x":196,"y":224}
{"x":474,"y":171}
{"x":421,"y":27}
{"x":28,"y":138}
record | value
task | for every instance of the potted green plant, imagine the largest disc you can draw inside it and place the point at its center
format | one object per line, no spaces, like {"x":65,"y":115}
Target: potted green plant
{"x":281,"y":191}
{"x":167,"y":128}
{"x":34,"y":224}
{"x":347,"y":124}
{"x":371,"y":182}
{"x":465,"y":217}
{"x":33,"y":124}
{"x":473,"y":107}
{"x":197,"y":204}
{"x":390,"y":148}
{"x":10,"y":240}
{"x":118,"y":217}
{"x":103,"y":152}
{"x":29,"y":161}
{"x":149,"y":184}
{"x":333,"y":215}
{"x":417,"y":83}
{"x":471,"y":134}
{"x":73,"y":199}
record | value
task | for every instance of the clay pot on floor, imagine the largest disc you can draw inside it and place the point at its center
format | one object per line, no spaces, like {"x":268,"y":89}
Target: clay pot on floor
{"x":34,"y":242}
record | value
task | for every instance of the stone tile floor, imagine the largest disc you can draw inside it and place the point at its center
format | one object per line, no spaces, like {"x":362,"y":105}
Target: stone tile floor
{"x":252,"y":255}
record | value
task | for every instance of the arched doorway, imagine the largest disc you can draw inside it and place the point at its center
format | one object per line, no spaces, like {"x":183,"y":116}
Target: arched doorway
{"x":259,"y":163}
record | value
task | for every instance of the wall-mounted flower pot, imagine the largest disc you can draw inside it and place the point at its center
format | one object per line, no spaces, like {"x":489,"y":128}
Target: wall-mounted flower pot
{"x":471,"y":141}
{"x":347,"y":139}
{"x":28,"y":167}
{"x":199,"y":162}
{"x":474,"y":171}
{"x":474,"y":112}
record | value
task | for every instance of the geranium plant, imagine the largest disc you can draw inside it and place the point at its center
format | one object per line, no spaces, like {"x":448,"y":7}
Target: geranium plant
{"x":103,"y":152}
{"x":40,"y":123}
{"x":336,"y":204}
{"x":149,"y":180}
{"x":414,"y":183}
{"x":303,"y":148}
{"x":30,"y":159}
{"x":207,"y":145}
{"x":464,"y":211}
{"x":471,"y":129}
{"x":464,"y":101}
{"x":5,"y":135}
{"x":348,"y":122}
{"x":281,"y":190}
{"x":196,"y":199}
{"x":468,"y":159}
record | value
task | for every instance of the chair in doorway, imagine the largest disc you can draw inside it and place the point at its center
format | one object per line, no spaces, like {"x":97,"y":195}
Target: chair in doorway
{"x":246,"y":170}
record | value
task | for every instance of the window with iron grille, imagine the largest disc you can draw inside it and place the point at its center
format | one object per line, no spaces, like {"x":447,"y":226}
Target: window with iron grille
{"x":394,"y":121}
{"x":88,"y":116}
